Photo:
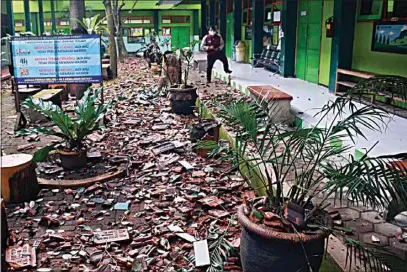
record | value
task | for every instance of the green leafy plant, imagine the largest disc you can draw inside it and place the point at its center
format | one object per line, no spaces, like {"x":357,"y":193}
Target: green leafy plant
{"x":297,"y":166}
{"x":88,"y":118}
{"x":93,"y":25}
{"x":393,"y":87}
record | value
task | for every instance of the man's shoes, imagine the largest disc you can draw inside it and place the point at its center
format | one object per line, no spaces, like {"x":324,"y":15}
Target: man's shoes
{"x":228,"y":71}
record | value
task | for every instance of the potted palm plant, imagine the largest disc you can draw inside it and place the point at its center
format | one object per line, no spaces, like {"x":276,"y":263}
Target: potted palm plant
{"x":183,"y":96}
{"x":88,"y":118}
{"x":296,"y":171}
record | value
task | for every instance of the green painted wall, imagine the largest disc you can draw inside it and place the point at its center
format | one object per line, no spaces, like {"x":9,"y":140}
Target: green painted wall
{"x":326,"y":44}
{"x":365,"y":59}
{"x":177,"y":13}
{"x":248,"y":43}
{"x":229,"y":34}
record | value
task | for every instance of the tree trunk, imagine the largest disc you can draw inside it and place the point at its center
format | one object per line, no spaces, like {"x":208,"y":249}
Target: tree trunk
{"x":120,"y":43}
{"x":112,"y":42}
{"x":77,"y":11}
{"x":119,"y":32}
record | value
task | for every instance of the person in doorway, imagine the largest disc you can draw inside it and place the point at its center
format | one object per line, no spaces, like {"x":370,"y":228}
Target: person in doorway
{"x":213,"y":44}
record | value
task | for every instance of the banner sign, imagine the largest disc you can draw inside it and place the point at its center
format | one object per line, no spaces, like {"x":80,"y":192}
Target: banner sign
{"x":57,"y":59}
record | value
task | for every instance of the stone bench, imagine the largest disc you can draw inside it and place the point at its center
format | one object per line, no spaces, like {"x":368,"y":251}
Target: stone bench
{"x":275,"y":102}
{"x":200,"y":65}
{"x":53,"y":95}
{"x":106,"y":67}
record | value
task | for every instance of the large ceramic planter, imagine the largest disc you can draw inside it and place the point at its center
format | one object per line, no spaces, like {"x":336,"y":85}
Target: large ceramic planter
{"x":183,"y":100}
{"x":263,"y":250}
{"x":73,"y":160}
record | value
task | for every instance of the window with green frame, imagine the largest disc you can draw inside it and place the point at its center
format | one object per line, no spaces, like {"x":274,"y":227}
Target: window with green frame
{"x":137,"y":34}
{"x":245,"y":17}
{"x":369,"y":10}
{"x":268,"y":15}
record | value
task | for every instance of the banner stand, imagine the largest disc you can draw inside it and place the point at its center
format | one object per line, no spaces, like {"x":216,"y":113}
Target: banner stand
{"x":64,"y":59}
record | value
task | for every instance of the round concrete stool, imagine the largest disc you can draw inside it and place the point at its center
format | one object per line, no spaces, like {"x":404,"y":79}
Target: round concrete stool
{"x":18,"y":178}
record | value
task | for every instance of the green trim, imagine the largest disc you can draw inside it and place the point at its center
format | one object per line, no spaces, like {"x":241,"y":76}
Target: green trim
{"x":298,"y":122}
{"x":336,"y":143}
{"x":359,"y":154}
{"x":252,"y":173}
{"x":376,"y":4}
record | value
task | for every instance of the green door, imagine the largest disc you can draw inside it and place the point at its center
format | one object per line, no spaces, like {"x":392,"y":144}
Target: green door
{"x":229,"y":35}
{"x":309,"y":39}
{"x":179,"y":37}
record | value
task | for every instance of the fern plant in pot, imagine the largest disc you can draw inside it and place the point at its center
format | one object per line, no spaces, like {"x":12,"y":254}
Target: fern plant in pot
{"x":183,"y":96}
{"x":73,"y":131}
{"x":297,"y":171}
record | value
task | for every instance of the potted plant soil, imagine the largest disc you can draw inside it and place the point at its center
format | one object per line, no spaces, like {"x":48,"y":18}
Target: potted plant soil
{"x":89,"y":116}
{"x":295,"y":171}
{"x":183,"y":96}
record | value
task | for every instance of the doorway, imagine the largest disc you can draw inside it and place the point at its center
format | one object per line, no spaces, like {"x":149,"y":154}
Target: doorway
{"x":309,"y":40}
{"x":180,"y":37}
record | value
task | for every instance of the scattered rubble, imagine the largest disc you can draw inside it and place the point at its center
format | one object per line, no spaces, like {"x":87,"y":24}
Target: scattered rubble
{"x":171,"y":205}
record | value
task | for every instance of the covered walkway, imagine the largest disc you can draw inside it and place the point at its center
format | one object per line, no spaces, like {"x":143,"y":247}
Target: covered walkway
{"x":308,"y":98}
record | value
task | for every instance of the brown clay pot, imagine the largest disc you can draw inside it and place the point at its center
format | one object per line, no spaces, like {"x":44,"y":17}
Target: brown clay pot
{"x":154,"y":68}
{"x":73,"y":160}
{"x":78,"y":90}
{"x":262,"y":249}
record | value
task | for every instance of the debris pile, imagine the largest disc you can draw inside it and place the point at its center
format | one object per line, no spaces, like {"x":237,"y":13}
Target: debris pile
{"x":173,"y":211}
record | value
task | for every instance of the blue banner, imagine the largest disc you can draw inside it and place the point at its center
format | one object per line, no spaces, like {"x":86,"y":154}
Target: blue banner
{"x":57,"y":59}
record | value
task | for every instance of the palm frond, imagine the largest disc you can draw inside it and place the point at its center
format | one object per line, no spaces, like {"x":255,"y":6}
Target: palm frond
{"x":391,"y":86}
{"x":371,"y":181}
{"x":371,"y":257}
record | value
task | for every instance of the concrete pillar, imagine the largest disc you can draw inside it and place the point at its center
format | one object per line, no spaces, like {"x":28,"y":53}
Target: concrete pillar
{"x":41,"y":16}
{"x":212,"y":18}
{"x":203,"y":18}
{"x":156,"y":22}
{"x":222,"y":19}
{"x":53,"y":20}
{"x":237,"y":22}
{"x":257,"y":27}
{"x":289,"y":39}
{"x":10,"y":17}
{"x":27,"y":15}
{"x":342,"y":41}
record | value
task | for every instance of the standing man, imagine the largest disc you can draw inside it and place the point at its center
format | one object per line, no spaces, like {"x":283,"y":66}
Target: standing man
{"x":213,"y":44}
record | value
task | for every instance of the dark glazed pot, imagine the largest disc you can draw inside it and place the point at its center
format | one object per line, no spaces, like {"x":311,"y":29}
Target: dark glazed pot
{"x":265,"y":250}
{"x":73,"y":160}
{"x":183,"y":100}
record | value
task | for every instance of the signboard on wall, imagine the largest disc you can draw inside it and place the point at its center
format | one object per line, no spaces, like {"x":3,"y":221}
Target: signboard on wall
{"x":57,"y":59}
{"x":248,"y":32}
